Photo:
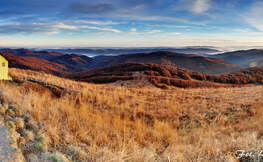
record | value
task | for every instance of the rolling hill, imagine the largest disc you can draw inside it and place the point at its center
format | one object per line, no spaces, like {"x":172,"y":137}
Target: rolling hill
{"x":162,"y":76}
{"x":74,"y":60}
{"x":29,"y":53}
{"x":38,"y":64}
{"x":77,"y":63}
{"x":243,"y":57}
{"x":253,"y":63}
{"x":188,"y":61}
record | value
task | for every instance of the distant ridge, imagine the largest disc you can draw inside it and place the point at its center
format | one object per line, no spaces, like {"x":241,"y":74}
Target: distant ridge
{"x":243,"y":57}
{"x":188,"y":61}
{"x":78,"y":62}
{"x":74,"y":60}
{"x":29,"y":53}
{"x":186,"y":50}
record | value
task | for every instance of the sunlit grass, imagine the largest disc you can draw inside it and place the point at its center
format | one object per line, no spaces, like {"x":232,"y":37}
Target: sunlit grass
{"x":141,"y":124}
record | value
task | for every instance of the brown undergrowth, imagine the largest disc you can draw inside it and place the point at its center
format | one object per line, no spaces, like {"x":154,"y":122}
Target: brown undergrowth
{"x":164,"y":76}
{"x":106,"y":123}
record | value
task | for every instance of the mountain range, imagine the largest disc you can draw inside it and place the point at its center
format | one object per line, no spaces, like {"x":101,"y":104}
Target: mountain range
{"x":187,"y":61}
{"x":245,"y":58}
{"x":159,"y":67}
{"x":70,"y":63}
{"x":29,"y":53}
{"x":97,"y":51}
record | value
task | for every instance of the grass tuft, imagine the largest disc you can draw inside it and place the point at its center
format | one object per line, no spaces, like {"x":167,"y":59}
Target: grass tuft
{"x":19,"y":123}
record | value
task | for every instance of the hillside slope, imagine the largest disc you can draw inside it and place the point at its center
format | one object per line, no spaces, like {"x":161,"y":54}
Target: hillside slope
{"x":106,"y":123}
{"x":74,"y":60}
{"x":187,"y":61}
{"x":76,"y":63}
{"x":167,"y":75}
{"x":29,"y":53}
{"x":39,"y":64}
{"x":243,"y":57}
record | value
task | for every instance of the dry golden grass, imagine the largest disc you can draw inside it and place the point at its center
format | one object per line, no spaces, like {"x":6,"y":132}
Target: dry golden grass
{"x":48,"y":79}
{"x":141,"y":124}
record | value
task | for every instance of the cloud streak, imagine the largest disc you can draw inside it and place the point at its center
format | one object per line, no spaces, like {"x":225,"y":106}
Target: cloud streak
{"x":154,"y":31}
{"x":200,"y":6}
{"x":15,"y":29}
{"x":176,"y":33}
{"x":49,"y":29}
{"x":133,"y":31}
{"x":102,"y":29}
{"x":93,"y":22}
{"x":62,"y":26}
{"x":255,"y":15}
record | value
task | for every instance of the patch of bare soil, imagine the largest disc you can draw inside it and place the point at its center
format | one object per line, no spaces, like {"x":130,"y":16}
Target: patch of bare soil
{"x":138,"y":73}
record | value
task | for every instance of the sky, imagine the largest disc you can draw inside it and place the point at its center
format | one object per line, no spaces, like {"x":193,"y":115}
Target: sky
{"x":130,"y":23}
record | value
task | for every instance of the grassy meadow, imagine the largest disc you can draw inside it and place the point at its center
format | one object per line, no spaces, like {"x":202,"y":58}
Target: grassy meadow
{"x":91,"y":122}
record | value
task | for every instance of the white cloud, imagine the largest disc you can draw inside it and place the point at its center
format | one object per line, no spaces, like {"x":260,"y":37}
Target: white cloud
{"x":55,"y":31}
{"x":103,"y":29}
{"x":93,"y":22}
{"x":158,"y":36}
{"x":32,"y":29}
{"x":176,"y":33}
{"x":242,"y":30}
{"x":133,"y":32}
{"x":200,"y":6}
{"x":47,"y":29}
{"x":194,"y":6}
{"x":178,"y":26}
{"x":254,"y":17}
{"x":154,"y":31}
{"x":63,"y":26}
{"x":71,"y":33}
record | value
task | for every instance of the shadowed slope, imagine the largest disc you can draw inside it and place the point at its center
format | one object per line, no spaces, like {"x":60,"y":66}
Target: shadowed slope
{"x":243,"y":57}
{"x":39,"y":64}
{"x":74,"y":60}
{"x":29,"y":53}
{"x":167,"y":75}
{"x":187,"y":61}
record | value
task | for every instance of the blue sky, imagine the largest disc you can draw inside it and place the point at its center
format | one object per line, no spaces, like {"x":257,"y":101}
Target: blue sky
{"x":130,"y":23}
